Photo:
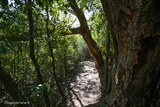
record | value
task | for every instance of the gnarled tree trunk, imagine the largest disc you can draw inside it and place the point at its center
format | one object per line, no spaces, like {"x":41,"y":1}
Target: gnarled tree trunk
{"x":136,"y":76}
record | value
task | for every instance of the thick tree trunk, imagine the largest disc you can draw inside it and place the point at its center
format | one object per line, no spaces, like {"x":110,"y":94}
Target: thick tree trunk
{"x":136,"y":77}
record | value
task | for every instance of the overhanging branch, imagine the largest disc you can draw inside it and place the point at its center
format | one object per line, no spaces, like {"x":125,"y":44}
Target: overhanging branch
{"x":80,"y":15}
{"x":72,"y":31}
{"x":75,"y":30}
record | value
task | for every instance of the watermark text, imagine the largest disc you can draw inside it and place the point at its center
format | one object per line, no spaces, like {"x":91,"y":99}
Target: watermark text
{"x":16,"y":102}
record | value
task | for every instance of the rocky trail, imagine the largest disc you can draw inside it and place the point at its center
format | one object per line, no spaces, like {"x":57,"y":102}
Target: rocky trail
{"x":84,"y":86}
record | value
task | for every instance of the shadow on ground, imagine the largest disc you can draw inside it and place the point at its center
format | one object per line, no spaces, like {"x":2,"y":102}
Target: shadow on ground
{"x":84,"y":85}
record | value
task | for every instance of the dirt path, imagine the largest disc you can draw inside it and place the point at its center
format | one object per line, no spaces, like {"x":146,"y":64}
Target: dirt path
{"x":85,"y":86}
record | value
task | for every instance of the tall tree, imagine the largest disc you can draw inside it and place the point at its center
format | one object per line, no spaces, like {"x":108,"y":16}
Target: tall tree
{"x":137,"y":31}
{"x":32,"y":52}
{"x":52,"y":55}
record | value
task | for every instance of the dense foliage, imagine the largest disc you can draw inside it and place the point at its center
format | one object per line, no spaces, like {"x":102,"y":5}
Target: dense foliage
{"x":68,"y":48}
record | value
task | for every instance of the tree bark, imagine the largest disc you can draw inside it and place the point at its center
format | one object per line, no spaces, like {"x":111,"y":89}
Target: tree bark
{"x":136,"y":77}
{"x":86,"y":33}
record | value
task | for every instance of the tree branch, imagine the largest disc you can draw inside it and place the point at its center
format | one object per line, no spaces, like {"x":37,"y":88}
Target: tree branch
{"x":73,"y":31}
{"x":80,"y":15}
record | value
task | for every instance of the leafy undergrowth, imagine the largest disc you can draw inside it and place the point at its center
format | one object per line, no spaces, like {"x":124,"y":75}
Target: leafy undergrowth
{"x":84,"y":85}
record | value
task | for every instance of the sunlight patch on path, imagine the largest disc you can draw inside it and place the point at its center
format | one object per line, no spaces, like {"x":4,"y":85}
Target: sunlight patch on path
{"x":85,"y":86}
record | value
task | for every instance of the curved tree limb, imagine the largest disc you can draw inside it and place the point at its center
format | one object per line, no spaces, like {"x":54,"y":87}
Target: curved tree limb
{"x":86,"y":33}
{"x":73,"y":31}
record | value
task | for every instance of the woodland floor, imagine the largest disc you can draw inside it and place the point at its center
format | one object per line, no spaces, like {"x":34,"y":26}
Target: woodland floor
{"x":84,"y":85}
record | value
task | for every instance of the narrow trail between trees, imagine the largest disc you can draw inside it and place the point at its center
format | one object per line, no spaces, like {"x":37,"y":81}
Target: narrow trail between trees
{"x":84,"y":86}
